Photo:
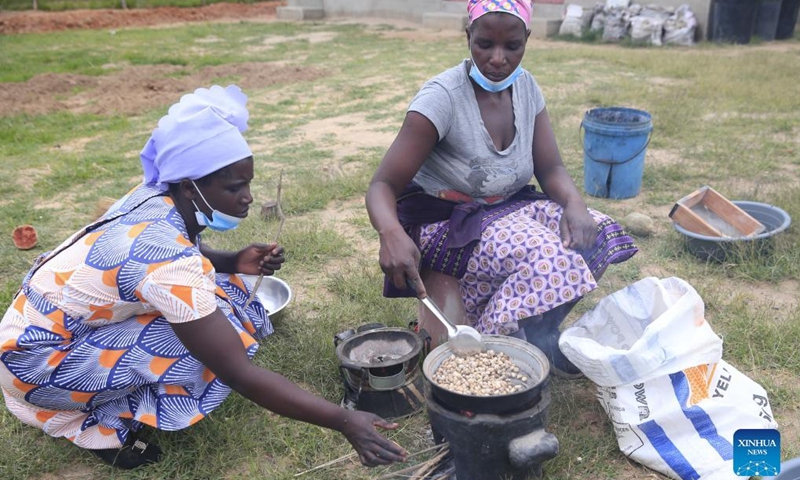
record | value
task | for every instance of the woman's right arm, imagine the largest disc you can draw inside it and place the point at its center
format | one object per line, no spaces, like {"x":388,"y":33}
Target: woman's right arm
{"x":399,"y":256}
{"x":214,"y":342}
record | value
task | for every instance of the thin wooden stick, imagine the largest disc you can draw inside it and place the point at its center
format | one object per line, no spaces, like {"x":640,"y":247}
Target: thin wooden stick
{"x":430,"y":465}
{"x":327,"y":464}
{"x":277,"y":236}
{"x":397,"y":473}
{"x":426,"y":450}
{"x":353,"y":454}
{"x":414,"y":469}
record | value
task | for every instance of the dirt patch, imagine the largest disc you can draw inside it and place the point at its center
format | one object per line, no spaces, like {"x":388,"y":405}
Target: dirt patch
{"x":38,"y":21}
{"x":133,"y":90}
{"x":74,"y":472}
{"x":339,"y":217}
{"x":782,"y":297}
{"x":347,"y":134}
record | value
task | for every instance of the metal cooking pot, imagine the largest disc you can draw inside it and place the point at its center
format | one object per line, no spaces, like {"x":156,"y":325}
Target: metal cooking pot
{"x":531,"y":361}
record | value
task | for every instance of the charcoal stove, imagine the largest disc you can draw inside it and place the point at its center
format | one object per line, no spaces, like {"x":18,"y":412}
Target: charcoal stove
{"x":380,"y":369}
{"x":498,"y":437}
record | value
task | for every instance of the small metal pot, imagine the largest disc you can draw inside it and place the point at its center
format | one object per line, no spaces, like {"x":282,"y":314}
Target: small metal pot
{"x":531,"y":361}
{"x":381,"y":358}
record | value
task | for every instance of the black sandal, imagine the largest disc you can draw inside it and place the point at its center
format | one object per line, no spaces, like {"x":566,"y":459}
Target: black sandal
{"x":135,"y":453}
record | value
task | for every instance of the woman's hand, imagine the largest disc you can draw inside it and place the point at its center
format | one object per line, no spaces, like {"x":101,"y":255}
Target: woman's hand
{"x":259,"y":258}
{"x":399,"y":259}
{"x":578,"y":228}
{"x":373,"y":448}
{"x":216,"y":344}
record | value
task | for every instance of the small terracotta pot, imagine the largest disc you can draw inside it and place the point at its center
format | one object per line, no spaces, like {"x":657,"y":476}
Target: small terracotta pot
{"x":24,"y":237}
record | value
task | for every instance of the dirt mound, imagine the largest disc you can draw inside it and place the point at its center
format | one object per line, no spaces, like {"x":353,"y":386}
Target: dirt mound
{"x":39,"y":21}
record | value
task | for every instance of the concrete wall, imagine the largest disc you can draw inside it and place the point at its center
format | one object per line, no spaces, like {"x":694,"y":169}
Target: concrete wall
{"x":411,"y":10}
{"x":414,"y":10}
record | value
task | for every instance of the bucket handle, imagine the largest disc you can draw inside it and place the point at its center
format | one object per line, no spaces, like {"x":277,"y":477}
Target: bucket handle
{"x":608,"y":162}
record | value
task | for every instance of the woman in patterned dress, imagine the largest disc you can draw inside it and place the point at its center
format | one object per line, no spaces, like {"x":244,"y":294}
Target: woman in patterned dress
{"x":135,"y":321}
{"x":451,"y":201}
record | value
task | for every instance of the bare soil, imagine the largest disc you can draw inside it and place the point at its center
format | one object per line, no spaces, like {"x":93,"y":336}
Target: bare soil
{"x":132,"y":90}
{"x":31,"y":21}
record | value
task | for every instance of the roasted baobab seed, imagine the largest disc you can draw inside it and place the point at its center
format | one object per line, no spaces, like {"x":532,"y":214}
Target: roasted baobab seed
{"x":483,"y":374}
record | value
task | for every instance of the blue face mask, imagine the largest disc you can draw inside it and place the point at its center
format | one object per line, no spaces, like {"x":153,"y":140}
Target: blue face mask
{"x":219,"y":221}
{"x":490,"y":85}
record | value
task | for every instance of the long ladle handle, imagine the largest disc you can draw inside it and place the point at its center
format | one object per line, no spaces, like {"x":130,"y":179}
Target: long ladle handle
{"x":426,"y":300}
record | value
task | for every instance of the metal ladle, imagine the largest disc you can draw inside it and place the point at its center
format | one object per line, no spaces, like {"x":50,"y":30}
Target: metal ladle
{"x":463,"y":340}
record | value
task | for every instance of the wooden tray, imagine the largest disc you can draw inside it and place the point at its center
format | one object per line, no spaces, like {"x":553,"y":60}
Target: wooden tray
{"x":706,"y":212}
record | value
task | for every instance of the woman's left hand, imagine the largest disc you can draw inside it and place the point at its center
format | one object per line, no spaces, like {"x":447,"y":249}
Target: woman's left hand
{"x":578,"y":228}
{"x":259,"y":258}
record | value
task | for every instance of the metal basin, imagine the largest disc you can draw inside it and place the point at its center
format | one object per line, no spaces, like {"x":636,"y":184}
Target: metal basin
{"x":273,"y":292}
{"x":719,"y":248}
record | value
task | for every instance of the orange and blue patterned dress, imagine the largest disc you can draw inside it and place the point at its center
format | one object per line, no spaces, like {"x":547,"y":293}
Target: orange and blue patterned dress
{"x":87,"y":350}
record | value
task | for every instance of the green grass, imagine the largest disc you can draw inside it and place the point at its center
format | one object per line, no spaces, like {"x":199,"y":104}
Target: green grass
{"x":725,"y":116}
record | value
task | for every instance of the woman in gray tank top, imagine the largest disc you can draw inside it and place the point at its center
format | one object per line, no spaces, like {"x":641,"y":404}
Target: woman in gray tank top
{"x":452,"y":203}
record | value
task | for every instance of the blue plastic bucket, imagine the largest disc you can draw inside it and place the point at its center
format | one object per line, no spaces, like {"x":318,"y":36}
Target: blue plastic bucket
{"x":614,"y":145}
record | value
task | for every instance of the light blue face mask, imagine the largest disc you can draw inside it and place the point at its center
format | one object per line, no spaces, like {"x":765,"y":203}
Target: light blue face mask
{"x":490,"y":85}
{"x":219,"y":221}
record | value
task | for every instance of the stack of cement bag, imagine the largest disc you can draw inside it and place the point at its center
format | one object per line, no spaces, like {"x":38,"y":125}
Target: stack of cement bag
{"x":617,"y":20}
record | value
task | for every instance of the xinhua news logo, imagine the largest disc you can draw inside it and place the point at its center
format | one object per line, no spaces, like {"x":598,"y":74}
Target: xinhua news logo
{"x":756,"y":452}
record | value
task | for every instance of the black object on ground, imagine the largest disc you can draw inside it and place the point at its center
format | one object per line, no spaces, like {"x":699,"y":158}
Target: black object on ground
{"x":733,"y":21}
{"x":787,"y":20}
{"x":512,"y":446}
{"x":135,"y":453}
{"x":767,"y":19}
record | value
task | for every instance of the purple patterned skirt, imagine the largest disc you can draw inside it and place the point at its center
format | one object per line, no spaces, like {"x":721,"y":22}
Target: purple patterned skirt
{"x":519,"y":267}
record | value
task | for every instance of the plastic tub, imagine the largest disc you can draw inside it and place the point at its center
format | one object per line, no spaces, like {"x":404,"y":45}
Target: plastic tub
{"x":718,"y":248}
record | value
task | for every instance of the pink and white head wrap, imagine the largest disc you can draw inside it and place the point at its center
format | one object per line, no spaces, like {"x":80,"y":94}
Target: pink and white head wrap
{"x":200,"y":134}
{"x":519,"y":8}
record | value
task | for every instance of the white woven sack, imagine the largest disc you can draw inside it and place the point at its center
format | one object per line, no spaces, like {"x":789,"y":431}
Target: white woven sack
{"x":576,"y":19}
{"x":679,"y":29}
{"x":649,"y":329}
{"x":683,"y":424}
{"x":648,"y":30}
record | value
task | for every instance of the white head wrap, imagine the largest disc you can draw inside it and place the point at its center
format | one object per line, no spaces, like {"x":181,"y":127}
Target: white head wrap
{"x":199,"y":135}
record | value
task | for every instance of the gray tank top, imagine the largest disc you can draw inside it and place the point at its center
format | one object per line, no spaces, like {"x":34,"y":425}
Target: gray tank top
{"x":465,"y":159}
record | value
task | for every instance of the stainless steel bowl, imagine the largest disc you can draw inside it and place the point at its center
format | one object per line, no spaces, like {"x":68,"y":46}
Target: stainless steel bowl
{"x":273,"y":292}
